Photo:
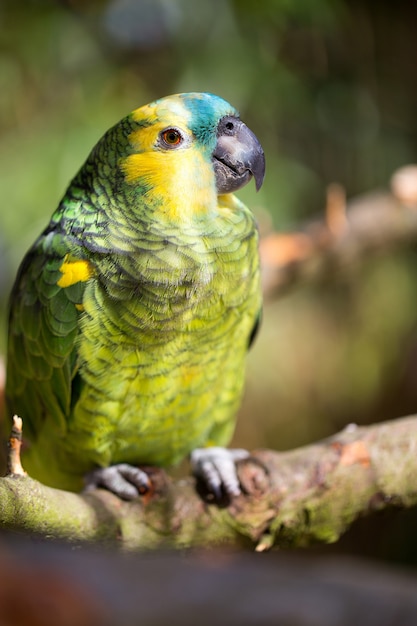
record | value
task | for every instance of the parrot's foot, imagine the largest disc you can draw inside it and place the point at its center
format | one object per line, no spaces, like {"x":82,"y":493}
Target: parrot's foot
{"x":126,"y":481}
{"x":216,"y":467}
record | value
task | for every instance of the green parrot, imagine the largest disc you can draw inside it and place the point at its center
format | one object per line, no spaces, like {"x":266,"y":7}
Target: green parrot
{"x":132,"y":313}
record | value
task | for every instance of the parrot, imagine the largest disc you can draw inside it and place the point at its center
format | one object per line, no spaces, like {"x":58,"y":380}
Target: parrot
{"x":131,"y":315}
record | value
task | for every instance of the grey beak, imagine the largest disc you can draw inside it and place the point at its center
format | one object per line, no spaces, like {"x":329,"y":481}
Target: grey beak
{"x":237,"y":157}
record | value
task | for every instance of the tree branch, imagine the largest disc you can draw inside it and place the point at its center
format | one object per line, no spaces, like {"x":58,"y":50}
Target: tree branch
{"x":297,"y":498}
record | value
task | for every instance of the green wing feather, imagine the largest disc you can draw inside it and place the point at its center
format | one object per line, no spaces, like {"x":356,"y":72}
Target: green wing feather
{"x":43,"y":328}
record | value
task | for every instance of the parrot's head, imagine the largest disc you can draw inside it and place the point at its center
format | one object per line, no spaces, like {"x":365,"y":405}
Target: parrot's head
{"x":187,"y":149}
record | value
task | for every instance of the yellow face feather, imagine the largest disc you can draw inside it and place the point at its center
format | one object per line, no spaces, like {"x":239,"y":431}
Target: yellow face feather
{"x":181,"y":179}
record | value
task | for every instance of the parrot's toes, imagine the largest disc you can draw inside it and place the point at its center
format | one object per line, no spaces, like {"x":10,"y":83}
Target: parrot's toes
{"x":126,"y":481}
{"x":216,"y":468}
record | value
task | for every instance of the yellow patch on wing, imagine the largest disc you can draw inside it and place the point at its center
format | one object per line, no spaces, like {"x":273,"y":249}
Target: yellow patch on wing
{"x":74,"y":272}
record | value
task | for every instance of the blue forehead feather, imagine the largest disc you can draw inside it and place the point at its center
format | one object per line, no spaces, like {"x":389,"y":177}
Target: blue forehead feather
{"x":206,"y":111}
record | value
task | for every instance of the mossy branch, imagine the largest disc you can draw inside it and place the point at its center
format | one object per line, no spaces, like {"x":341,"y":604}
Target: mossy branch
{"x":296,"y":498}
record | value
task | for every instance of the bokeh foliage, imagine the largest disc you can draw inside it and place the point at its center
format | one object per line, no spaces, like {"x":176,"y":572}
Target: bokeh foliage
{"x":329,"y":87}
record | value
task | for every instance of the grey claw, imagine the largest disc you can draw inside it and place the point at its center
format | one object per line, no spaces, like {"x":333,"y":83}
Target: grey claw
{"x":126,"y":481}
{"x":216,"y":467}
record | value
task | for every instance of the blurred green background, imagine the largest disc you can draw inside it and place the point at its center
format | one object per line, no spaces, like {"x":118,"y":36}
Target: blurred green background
{"x":330,"y":89}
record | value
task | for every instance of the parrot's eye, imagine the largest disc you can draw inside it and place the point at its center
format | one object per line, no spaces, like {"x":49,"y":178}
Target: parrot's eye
{"x":171,"y":138}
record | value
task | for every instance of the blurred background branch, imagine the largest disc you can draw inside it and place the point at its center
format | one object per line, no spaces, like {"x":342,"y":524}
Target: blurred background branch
{"x":91,"y":588}
{"x":374,"y":224}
